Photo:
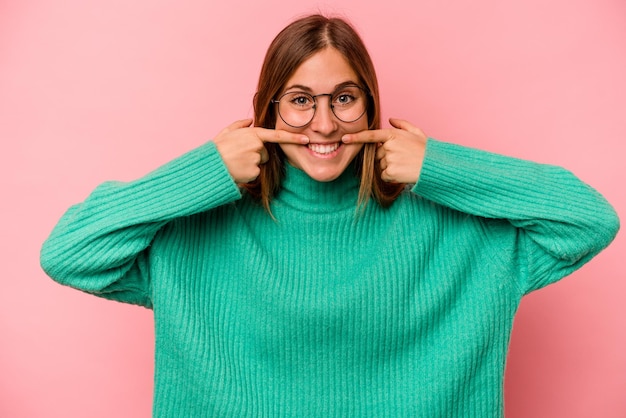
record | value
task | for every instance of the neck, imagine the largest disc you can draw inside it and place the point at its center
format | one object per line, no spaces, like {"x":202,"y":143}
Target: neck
{"x":308,"y":195}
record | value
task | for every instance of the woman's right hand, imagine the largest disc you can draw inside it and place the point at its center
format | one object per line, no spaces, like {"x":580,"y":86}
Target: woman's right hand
{"x":242,"y":147}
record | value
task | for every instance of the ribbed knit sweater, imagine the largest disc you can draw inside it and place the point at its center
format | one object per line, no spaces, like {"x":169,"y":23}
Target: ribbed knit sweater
{"x":325,"y":311}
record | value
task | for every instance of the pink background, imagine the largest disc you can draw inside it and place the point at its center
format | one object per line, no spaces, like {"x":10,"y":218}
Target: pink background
{"x":99,"y":90}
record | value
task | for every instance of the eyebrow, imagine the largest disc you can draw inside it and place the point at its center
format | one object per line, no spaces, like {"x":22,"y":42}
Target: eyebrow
{"x":310,"y":90}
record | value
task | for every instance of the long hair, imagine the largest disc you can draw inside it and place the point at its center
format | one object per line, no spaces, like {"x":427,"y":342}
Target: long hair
{"x":292,"y":46}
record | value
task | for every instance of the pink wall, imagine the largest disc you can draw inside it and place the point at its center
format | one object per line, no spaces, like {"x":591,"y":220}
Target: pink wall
{"x":99,"y":90}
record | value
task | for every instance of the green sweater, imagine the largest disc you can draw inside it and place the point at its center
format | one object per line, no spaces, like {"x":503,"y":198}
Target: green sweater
{"x":398,"y":312}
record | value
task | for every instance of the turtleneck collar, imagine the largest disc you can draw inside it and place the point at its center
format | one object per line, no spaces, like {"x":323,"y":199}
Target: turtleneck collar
{"x":303,"y":193}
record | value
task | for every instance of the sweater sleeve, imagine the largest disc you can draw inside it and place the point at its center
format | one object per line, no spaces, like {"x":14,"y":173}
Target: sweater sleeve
{"x":101,"y":245}
{"x":561,"y":222}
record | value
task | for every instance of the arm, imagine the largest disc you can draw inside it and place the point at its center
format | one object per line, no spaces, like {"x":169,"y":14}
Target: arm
{"x":561,"y":222}
{"x":101,"y":245}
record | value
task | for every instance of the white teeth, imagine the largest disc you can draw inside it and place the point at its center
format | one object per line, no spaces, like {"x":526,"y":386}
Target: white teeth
{"x":323,"y":148}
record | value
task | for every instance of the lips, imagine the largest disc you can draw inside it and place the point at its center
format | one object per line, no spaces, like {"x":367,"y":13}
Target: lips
{"x":324,"y":148}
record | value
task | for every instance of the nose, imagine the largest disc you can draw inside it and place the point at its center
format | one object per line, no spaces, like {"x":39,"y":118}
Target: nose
{"x":324,"y":120}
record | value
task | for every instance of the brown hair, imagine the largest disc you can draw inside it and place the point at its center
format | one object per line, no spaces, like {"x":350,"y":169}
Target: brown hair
{"x":291,"y":47}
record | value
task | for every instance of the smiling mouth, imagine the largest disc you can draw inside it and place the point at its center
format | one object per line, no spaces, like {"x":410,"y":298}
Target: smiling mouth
{"x":324,"y":148}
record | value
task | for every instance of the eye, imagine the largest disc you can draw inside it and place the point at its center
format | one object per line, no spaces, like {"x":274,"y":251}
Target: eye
{"x":344,"y":99}
{"x":347,"y":96}
{"x":300,"y":100}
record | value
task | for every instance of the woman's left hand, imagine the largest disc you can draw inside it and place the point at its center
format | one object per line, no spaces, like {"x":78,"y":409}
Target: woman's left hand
{"x":400,"y":150}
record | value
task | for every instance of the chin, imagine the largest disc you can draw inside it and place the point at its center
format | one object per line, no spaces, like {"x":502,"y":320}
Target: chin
{"x":324,"y":176}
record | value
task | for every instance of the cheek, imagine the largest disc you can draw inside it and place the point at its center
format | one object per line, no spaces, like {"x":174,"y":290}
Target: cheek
{"x":354,"y":150}
{"x":292,"y":154}
{"x":360,"y":125}
{"x":280,"y":125}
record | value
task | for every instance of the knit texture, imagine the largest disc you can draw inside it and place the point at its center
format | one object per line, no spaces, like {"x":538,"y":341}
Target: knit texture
{"x":325,"y":311}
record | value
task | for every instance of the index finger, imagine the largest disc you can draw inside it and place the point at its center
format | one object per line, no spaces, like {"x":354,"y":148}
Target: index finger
{"x":279,"y":136}
{"x":368,"y":136}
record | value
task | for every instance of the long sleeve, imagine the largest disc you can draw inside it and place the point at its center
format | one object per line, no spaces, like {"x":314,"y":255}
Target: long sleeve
{"x":561,"y":221}
{"x":100,"y":246}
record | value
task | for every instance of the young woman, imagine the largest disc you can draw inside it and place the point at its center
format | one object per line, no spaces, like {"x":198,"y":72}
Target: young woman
{"x":316,"y":265}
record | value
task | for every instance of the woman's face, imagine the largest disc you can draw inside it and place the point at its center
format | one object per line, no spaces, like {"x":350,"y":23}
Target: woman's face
{"x":325,"y":157}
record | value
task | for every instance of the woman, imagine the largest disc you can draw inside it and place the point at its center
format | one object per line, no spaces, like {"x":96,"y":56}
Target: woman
{"x":317,"y":265}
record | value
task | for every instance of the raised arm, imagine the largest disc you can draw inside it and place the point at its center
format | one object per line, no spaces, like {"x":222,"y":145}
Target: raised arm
{"x":99,"y":245}
{"x":562,"y":222}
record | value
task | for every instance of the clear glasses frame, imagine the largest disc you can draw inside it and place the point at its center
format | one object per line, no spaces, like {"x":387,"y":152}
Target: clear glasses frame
{"x":313,"y":105}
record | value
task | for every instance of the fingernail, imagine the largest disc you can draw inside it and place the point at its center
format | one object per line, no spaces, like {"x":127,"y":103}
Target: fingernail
{"x":304,"y":139}
{"x":345,"y":138}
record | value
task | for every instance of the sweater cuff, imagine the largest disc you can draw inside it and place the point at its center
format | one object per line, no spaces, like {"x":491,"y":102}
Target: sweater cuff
{"x":192,"y":183}
{"x":440,"y":168}
{"x":473,"y":181}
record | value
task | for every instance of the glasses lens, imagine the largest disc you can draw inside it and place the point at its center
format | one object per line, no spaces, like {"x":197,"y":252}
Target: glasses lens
{"x":296,"y":108}
{"x":349,"y":103}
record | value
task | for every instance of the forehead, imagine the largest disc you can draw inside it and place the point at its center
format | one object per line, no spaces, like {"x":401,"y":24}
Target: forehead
{"x":323,"y":71}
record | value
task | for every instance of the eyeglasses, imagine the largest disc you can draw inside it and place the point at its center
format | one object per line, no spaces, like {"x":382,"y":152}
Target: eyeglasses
{"x":297,"y":108}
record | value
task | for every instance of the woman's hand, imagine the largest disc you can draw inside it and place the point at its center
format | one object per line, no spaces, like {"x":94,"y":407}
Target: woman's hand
{"x":243,"y":147}
{"x":400,"y":150}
